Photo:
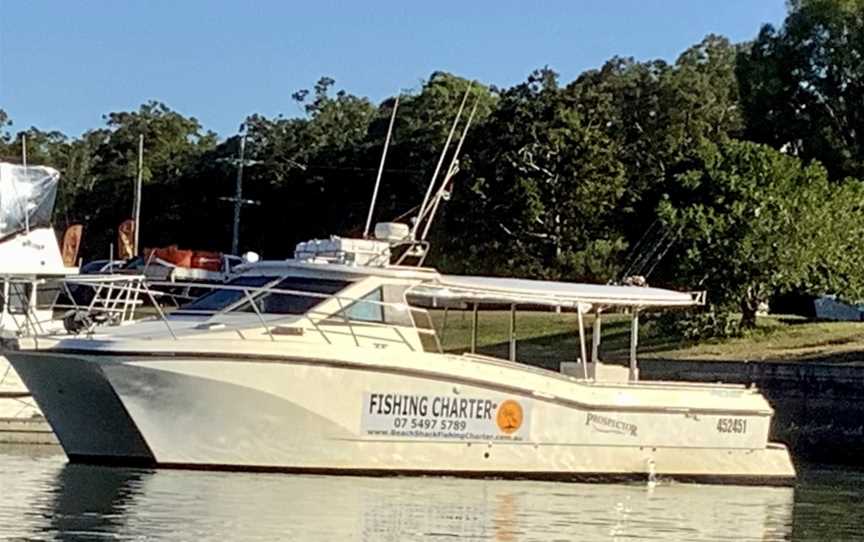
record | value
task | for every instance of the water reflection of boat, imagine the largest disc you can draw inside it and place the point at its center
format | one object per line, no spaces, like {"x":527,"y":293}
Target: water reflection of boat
{"x":162,"y":505}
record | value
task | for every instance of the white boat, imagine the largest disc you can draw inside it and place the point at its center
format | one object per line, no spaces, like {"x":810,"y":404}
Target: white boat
{"x":29,"y":258}
{"x":32,"y":272}
{"x":331,"y":364}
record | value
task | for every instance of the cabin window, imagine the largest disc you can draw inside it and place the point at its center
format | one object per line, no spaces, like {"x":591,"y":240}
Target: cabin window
{"x":266,"y":302}
{"x":19,"y":297}
{"x":217,"y":300}
{"x":425,"y":330}
{"x":295,"y":303}
{"x":48,"y":293}
{"x":366,"y":309}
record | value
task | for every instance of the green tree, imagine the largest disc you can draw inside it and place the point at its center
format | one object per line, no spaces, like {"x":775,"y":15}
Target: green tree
{"x":757,"y":222}
{"x":658,"y":114}
{"x":5,"y":136}
{"x":105,"y":164}
{"x":802,"y":85}
{"x":543,"y":188}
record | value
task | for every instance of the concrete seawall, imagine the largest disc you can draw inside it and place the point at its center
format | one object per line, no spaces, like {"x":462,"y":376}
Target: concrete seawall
{"x":819,"y":408}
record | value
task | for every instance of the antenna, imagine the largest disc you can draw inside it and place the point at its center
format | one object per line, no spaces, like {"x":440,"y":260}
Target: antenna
{"x":24,"y":163}
{"x":440,"y":162}
{"x":381,"y":168}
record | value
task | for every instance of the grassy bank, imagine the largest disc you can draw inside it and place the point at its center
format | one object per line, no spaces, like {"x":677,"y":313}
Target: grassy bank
{"x":547,"y":338}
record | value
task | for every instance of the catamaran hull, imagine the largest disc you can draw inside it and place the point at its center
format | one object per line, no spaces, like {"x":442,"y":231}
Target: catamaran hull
{"x":306,"y":415}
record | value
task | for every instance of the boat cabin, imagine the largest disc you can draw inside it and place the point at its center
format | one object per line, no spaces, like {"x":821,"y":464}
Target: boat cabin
{"x":332,"y":301}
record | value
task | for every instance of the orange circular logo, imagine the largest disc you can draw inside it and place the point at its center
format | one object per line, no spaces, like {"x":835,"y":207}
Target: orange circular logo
{"x":509,"y":416}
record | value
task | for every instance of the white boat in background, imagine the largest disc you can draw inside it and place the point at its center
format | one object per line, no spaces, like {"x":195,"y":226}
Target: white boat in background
{"x":29,"y":259}
{"x":32,"y":275}
{"x":319,"y":365}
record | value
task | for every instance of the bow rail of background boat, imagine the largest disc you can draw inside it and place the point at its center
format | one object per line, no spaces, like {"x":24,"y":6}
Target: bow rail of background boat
{"x":34,"y":303}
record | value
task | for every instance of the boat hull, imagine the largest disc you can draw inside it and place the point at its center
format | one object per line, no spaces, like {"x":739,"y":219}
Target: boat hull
{"x":306,"y":415}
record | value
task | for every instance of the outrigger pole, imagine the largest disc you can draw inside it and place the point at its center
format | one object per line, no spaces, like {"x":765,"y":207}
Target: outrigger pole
{"x":451,"y":171}
{"x":422,"y":209}
{"x":381,"y":168}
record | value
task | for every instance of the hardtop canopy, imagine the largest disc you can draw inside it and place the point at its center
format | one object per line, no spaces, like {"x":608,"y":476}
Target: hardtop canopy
{"x":496,"y":290}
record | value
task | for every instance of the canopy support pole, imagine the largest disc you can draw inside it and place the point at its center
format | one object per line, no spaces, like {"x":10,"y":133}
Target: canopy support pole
{"x":512,"y":332}
{"x":595,"y":342}
{"x":634,"y":341}
{"x":443,"y":328}
{"x":474,"y":317}
{"x":582,"y":349}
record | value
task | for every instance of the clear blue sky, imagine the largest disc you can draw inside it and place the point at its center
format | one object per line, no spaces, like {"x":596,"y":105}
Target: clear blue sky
{"x":65,"y":63}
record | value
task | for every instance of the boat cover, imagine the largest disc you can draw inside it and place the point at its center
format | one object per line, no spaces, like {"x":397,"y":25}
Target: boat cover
{"x":27,"y":197}
{"x":473,"y":289}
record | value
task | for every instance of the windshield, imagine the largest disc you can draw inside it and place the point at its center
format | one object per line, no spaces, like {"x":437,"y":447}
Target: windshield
{"x":217,"y":300}
{"x":268,"y":302}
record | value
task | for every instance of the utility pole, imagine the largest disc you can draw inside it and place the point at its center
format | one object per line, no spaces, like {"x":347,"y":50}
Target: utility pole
{"x":238,"y":200}
{"x":136,"y":206}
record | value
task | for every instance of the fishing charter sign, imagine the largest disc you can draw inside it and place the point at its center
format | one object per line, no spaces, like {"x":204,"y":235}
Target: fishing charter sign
{"x":400,"y":415}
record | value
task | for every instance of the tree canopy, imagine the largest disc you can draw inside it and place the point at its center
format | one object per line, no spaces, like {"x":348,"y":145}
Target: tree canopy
{"x":757,"y":222}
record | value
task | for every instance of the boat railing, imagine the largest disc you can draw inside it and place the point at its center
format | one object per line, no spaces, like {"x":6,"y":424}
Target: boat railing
{"x":330,"y":325}
{"x":38,"y":305}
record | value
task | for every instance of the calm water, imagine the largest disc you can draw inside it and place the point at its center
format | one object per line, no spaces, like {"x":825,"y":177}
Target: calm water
{"x":43,"y":498}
